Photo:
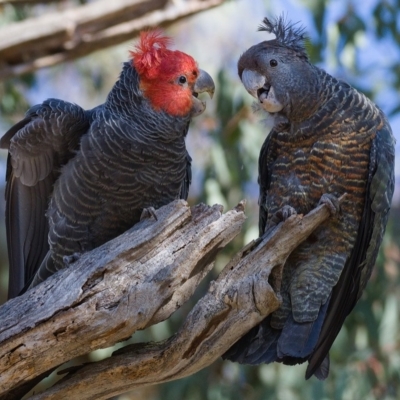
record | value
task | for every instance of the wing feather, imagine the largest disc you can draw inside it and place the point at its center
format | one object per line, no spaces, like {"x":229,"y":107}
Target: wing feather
{"x":188,"y":178}
{"x":38,"y":146}
{"x":266,"y":160}
{"x":358,"y":268}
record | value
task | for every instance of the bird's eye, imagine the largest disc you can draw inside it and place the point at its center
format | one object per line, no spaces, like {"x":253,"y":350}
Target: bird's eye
{"x":273,"y":63}
{"x":182,"y":79}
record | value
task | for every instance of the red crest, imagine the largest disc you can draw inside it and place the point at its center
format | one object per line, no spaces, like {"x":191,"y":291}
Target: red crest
{"x":149,"y":52}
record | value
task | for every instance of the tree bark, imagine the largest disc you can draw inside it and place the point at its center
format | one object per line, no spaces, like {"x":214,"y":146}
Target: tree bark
{"x":137,"y":280}
{"x":131,"y":282}
{"x":26,"y":2}
{"x":57,"y":37}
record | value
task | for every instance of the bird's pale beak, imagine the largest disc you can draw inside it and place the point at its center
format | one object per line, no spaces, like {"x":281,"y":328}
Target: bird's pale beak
{"x":252,"y":81}
{"x":204,"y":83}
{"x":259,"y":88}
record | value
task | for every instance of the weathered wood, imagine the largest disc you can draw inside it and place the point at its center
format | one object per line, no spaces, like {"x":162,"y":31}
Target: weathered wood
{"x":25,"y":2}
{"x":65,"y":28}
{"x":131,"y":282}
{"x":135,"y":281}
{"x":57,"y":37}
{"x":239,"y":299}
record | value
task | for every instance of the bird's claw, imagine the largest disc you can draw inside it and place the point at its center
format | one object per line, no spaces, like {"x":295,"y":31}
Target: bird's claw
{"x":332,"y":202}
{"x":281,"y":215}
{"x":68,"y":260}
{"x":285,"y":212}
{"x":148,"y":213}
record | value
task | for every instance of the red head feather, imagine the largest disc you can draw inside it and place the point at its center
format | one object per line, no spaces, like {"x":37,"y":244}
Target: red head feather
{"x":149,"y":52}
{"x":159,"y":68}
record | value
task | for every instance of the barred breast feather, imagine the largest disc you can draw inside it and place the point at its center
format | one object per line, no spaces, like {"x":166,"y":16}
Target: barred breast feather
{"x":329,"y":140}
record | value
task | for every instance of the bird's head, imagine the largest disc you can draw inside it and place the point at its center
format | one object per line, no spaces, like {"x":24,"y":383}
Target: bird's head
{"x":277,"y":72}
{"x":169,"y":79}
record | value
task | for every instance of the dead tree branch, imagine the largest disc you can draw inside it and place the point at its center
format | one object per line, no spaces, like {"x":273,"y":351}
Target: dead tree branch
{"x":131,"y":282}
{"x":238,"y":300}
{"x":135,"y":281}
{"x":57,"y":37}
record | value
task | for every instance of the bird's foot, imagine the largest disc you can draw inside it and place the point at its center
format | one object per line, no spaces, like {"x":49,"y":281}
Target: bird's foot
{"x":148,"y":213}
{"x":332,"y":202}
{"x":280,"y":216}
{"x":68,"y":260}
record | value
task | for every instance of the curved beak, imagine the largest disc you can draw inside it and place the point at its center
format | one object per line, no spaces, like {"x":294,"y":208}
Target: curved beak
{"x":204,"y":83}
{"x":252,"y":81}
{"x":257,"y":85}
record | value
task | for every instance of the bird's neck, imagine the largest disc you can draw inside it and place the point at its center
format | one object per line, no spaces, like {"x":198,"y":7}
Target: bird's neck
{"x":125,"y":97}
{"x":319,"y":96}
{"x":309,"y":97}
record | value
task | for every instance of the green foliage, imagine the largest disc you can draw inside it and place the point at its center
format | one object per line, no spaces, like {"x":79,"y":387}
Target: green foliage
{"x":386,"y":15}
{"x":13,"y":103}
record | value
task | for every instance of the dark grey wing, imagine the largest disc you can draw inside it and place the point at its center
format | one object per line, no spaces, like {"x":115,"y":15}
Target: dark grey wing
{"x":26,"y":228}
{"x":188,"y":178}
{"x":184,"y":193}
{"x":265,"y":161}
{"x":358,"y":268}
{"x":38,"y":147}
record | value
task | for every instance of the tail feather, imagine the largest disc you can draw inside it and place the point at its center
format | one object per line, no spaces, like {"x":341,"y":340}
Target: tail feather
{"x":256,"y":347}
{"x":298,"y":340}
{"x":294,"y":344}
{"x":322,"y":371}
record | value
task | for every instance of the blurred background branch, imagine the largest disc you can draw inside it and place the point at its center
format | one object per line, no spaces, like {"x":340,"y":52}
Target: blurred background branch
{"x":57,"y":37}
{"x":19,"y":2}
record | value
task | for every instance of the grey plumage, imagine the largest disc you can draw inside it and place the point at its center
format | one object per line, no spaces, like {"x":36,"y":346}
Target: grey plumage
{"x":328,"y":140}
{"x":77,"y":178}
